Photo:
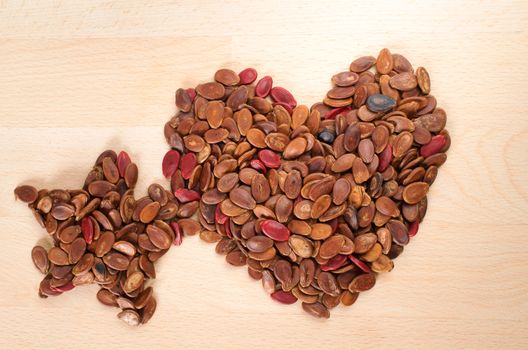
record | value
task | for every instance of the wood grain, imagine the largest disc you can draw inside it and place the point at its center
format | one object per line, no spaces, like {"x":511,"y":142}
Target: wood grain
{"x":80,"y":77}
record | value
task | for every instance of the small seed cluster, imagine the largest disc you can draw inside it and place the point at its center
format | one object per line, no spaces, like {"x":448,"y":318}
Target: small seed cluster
{"x":316,"y":201}
{"x":102,"y":234}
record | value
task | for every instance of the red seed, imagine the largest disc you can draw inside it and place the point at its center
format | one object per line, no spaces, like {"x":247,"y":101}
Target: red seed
{"x":359,"y":263}
{"x":178,"y":236}
{"x":170,"y":162}
{"x":220,"y":217}
{"x":385,"y":158}
{"x":227,"y":228}
{"x":334,"y":263}
{"x":187,"y":165}
{"x":269,"y":158}
{"x":184,"y":195}
{"x":275,"y":230}
{"x":191,"y":92}
{"x":87,"y":229}
{"x":413,"y":228}
{"x":258,"y":165}
{"x":288,"y":107}
{"x":247,"y":76}
{"x":434,"y":146}
{"x":283,"y":297}
{"x":123,"y":159}
{"x":332,"y":114}
{"x":280,"y":94}
{"x":264,"y":86}
{"x":68,"y":286}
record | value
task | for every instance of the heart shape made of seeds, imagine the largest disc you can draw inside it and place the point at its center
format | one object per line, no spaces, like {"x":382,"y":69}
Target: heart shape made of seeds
{"x":316,"y":201}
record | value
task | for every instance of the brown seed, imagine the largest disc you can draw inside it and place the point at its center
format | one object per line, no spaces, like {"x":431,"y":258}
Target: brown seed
{"x":211,"y":91}
{"x":133,"y":282}
{"x":398,"y":231}
{"x":384,"y":62}
{"x":404,"y":81}
{"x":256,"y":137}
{"x":78,"y":247}
{"x":40,"y":259}
{"x":149,"y":212}
{"x":260,"y":188}
{"x":320,"y":206}
{"x":320,"y":231}
{"x":26,"y":193}
{"x":58,"y":256}
{"x":328,"y":283}
{"x":423,"y":80}
{"x":116,"y":261}
{"x":362,"y":283}
{"x":343,"y":163}
{"x":341,"y":191}
{"x":301,"y":246}
{"x":100,"y":188}
{"x":106,"y":297}
{"x":242,"y":198}
{"x":295,"y":148}
{"x":316,"y":309}
{"x":227,"y":182}
{"x":362,"y":64}
{"x":331,"y":247}
{"x":386,"y":206}
{"x":104,"y":243}
{"x":226,"y":76}
{"x":415,"y":192}
{"x":402,"y":143}
{"x":62,"y":211}
{"x":110,"y":171}
{"x":236,"y":258}
{"x":363,"y":243}
{"x":159,"y":237}
{"x":216,"y":135}
{"x":345,"y":78}
{"x":214,"y":112}
{"x":148,"y":310}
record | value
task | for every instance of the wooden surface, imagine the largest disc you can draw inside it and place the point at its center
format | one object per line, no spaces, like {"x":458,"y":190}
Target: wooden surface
{"x":79,"y":77}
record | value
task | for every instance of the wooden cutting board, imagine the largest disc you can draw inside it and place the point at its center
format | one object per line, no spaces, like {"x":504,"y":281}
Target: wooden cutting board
{"x":81,"y":77}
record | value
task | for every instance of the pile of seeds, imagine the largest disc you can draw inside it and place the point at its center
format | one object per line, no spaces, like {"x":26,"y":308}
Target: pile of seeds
{"x":316,"y":201}
{"x":102,"y":235}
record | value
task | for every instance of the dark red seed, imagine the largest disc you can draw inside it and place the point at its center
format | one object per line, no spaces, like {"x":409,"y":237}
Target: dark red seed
{"x":359,"y":263}
{"x":333,"y":223}
{"x":334,"y":263}
{"x":123,"y":159}
{"x":191,"y":92}
{"x":434,"y":146}
{"x":184,"y":195}
{"x":220,"y":217}
{"x":333,"y":113}
{"x":87,"y":229}
{"x":187,"y":165}
{"x":269,"y":158}
{"x":275,"y":230}
{"x":385,"y":158}
{"x":170,"y":163}
{"x":68,"y":286}
{"x":178,"y":236}
{"x":283,"y":297}
{"x":227,"y":228}
{"x":264,"y":86}
{"x":286,"y":106}
{"x":247,"y":76}
{"x":413,"y":228}
{"x":280,"y":94}
{"x":258,"y":165}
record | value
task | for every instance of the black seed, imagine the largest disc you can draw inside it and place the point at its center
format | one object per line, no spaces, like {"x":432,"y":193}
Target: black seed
{"x":380,"y":103}
{"x":326,"y":137}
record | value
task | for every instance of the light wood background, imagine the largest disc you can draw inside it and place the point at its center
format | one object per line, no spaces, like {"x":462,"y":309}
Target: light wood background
{"x":78,"y":77}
